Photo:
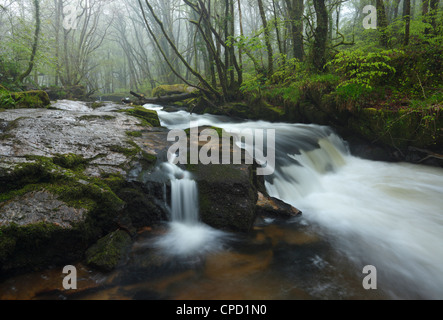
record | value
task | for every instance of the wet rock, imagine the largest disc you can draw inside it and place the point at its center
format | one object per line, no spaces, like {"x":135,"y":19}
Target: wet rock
{"x":227,"y":196}
{"x":110,"y":251}
{"x":67,"y":177}
{"x":40,"y":206}
{"x":275,"y":208}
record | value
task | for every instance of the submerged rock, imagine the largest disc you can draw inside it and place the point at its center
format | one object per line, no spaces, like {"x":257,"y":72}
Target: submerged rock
{"x":109,"y":251}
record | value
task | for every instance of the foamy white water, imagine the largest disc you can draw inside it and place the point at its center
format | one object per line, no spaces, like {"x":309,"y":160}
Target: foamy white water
{"x":186,"y":236}
{"x":386,"y":215}
{"x":375,"y":213}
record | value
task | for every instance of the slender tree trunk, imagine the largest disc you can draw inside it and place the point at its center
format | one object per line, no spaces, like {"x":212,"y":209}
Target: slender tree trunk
{"x":34,"y":45}
{"x":407,"y":18}
{"x":425,"y":13}
{"x":382,"y":22}
{"x":267,"y":38}
{"x":208,"y":88}
{"x":320,"y":36}
{"x":277,"y":30}
{"x":58,"y":14}
{"x":240,"y":51}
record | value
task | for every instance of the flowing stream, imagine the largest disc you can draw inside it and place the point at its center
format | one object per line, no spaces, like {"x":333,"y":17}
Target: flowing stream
{"x":355,"y":213}
{"x":373,"y":213}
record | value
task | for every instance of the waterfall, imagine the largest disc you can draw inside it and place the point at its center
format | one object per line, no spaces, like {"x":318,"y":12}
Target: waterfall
{"x":184,"y":195}
{"x":187,"y":236}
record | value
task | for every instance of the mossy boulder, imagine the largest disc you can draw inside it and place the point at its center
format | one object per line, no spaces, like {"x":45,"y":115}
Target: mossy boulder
{"x":109,"y":251}
{"x":66,"y":181}
{"x":34,"y":246}
{"x":149,"y":117}
{"x":168,"y":90}
{"x":24,"y":100}
{"x":227,"y":196}
{"x":77,"y":92}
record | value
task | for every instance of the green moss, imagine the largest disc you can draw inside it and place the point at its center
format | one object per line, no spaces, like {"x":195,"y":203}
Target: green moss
{"x":164,"y":90}
{"x":109,"y":251}
{"x":97,"y":105}
{"x":96,"y":117}
{"x":217,"y":129}
{"x":34,"y":245}
{"x":6,"y":196}
{"x":148,"y":117}
{"x":135,"y":134}
{"x":70,"y":161}
{"x":128,"y":152}
{"x":27,"y":99}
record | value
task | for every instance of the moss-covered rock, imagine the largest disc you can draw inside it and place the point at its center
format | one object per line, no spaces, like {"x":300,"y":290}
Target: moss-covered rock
{"x":38,"y":245}
{"x":109,"y":251}
{"x":149,"y":117}
{"x":167,"y":90}
{"x":66,"y":182}
{"x":24,"y":100}
{"x":227,"y":196}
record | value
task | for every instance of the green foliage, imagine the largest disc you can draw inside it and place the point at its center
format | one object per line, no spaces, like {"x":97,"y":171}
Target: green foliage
{"x":6,"y":99}
{"x":288,"y":72}
{"x":364,"y":69}
{"x":252,"y":86}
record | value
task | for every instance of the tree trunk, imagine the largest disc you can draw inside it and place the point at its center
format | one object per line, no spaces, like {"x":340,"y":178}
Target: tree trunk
{"x":295,"y":10}
{"x":34,"y":45}
{"x":396,"y":4}
{"x":407,"y":18}
{"x":425,"y":14}
{"x":382,"y":22}
{"x":240,"y":51}
{"x":320,"y":36}
{"x":207,"y":87}
{"x":267,"y":38}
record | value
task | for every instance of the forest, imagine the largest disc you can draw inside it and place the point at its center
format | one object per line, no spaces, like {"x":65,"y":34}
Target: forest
{"x":228,"y":50}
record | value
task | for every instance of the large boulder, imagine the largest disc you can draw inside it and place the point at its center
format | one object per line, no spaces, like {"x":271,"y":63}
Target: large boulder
{"x":23,"y":100}
{"x":66,"y":174}
{"x":227,"y":196}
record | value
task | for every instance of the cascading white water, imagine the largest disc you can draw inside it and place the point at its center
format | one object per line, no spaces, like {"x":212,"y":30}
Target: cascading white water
{"x":184,"y":195}
{"x":374,"y":213}
{"x":187,"y":235}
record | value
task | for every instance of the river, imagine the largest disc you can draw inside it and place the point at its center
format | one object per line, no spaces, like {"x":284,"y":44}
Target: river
{"x":356,"y":213}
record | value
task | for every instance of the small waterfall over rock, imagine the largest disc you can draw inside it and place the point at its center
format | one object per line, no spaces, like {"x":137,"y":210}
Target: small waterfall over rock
{"x":184,"y":195}
{"x":187,"y":236}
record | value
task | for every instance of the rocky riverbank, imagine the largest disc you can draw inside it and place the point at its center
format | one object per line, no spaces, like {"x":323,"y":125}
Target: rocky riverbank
{"x":77,"y":183}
